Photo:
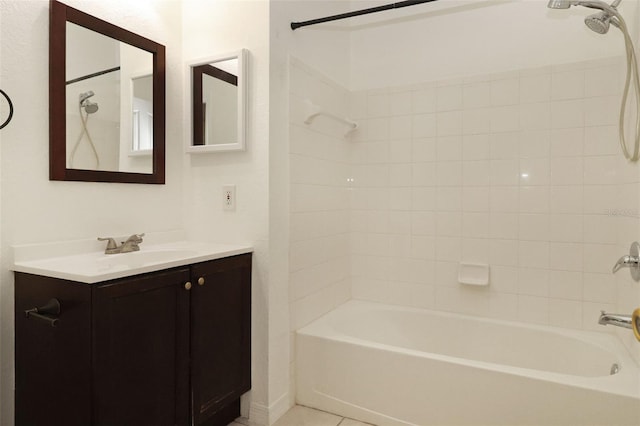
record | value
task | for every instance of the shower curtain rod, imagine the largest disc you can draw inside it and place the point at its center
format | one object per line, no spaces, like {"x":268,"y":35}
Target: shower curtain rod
{"x":397,"y":5}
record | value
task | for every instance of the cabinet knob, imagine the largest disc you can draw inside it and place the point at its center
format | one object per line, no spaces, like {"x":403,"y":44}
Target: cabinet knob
{"x":187,"y":285}
{"x":201,"y":281}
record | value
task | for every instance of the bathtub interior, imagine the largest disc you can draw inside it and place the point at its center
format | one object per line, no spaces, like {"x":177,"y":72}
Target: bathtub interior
{"x":347,"y":365}
{"x":507,"y":343}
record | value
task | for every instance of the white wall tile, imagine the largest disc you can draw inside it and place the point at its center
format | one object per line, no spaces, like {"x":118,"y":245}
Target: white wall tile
{"x":567,"y":171}
{"x":565,"y":285}
{"x":424,"y":126}
{"x":567,"y":85}
{"x":601,"y":140}
{"x":475,"y":198}
{"x":475,"y":147}
{"x":566,"y":114}
{"x":400,"y":103}
{"x":533,"y":254}
{"x":535,"y":143}
{"x":533,"y":309}
{"x":565,"y":313}
{"x":535,"y":116}
{"x":504,"y":145}
{"x":400,"y":127}
{"x":424,"y":100}
{"x":449,"y":98}
{"x":565,"y":256}
{"x":602,"y":110}
{"x":567,"y":228}
{"x":505,"y":119}
{"x":534,"y":199}
{"x":567,"y":142}
{"x":449,"y":148}
{"x":535,"y":88}
{"x":424,"y":149}
{"x":503,"y":226}
{"x":505,"y":92}
{"x":449,"y":123}
{"x":504,"y":279}
{"x":476,"y":95}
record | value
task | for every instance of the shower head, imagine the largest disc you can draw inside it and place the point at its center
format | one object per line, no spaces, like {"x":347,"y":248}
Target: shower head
{"x":89,"y":107}
{"x":598,"y":22}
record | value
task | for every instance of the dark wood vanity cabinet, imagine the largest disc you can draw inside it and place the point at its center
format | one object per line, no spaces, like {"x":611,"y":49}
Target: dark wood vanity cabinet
{"x":166,"y":348}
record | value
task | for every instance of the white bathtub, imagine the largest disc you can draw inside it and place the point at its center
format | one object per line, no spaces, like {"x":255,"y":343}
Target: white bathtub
{"x":389,"y":365}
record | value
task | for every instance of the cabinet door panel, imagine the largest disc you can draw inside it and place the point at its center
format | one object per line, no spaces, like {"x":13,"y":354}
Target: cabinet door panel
{"x":139,"y":324}
{"x":53,"y":364}
{"x":220,"y":334}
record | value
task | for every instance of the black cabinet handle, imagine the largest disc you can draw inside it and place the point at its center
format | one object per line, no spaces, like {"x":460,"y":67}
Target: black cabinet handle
{"x":52,"y":307}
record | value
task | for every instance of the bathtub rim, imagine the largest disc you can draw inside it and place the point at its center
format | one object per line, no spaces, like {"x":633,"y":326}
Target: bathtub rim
{"x":625,"y":383}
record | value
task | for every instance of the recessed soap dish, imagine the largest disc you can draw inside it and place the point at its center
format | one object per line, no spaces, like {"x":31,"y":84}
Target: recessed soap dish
{"x":473,"y":274}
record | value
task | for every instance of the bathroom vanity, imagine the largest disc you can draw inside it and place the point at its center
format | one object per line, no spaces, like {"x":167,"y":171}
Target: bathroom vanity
{"x":168,"y":346}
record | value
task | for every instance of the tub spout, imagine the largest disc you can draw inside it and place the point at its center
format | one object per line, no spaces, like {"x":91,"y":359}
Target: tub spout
{"x":615,"y":319}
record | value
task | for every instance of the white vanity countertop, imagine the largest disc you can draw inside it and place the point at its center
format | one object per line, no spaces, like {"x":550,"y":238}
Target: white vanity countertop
{"x":95,"y":266}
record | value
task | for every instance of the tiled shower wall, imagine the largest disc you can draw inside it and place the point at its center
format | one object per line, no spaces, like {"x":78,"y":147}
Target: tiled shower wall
{"x":521,"y":171}
{"x":319,"y":278}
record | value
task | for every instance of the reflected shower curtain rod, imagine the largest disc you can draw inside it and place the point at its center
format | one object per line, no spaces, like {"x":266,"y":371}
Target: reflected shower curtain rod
{"x":95,"y":74}
{"x":397,"y":5}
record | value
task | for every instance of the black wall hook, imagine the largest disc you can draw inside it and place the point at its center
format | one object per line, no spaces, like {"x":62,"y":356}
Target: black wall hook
{"x":3,"y":125}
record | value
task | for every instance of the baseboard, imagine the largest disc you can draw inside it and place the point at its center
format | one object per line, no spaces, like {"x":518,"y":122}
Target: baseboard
{"x":261,"y":415}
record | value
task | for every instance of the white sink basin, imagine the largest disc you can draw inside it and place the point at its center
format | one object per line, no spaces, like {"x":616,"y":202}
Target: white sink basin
{"x":94,"y":267}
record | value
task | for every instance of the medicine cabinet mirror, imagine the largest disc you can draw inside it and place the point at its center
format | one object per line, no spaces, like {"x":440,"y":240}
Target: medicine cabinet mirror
{"x":218,"y":87}
{"x":106,"y":101}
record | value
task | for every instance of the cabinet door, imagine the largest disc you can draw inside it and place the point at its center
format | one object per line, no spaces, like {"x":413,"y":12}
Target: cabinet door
{"x":140,"y":347}
{"x":220,"y":334}
{"x":53,"y":364}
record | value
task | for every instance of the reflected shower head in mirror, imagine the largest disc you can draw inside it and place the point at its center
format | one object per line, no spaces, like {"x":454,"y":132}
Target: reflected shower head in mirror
{"x":89,"y":107}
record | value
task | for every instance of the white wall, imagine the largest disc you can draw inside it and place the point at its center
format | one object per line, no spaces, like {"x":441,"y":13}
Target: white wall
{"x":212,"y":29}
{"x":327,"y":51}
{"x":457,"y":38}
{"x":35,"y":209}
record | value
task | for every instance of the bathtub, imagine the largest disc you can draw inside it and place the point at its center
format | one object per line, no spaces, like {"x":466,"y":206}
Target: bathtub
{"x":390,"y":365}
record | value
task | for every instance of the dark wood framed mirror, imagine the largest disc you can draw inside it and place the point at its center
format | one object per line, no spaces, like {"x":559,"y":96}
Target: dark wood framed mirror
{"x":118,"y":135}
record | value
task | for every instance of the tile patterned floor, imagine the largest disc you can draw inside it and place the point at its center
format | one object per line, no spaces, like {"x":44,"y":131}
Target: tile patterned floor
{"x":303,"y":416}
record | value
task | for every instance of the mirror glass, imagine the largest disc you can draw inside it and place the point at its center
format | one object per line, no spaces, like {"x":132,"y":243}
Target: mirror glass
{"x":219,"y":103}
{"x":111,"y":84}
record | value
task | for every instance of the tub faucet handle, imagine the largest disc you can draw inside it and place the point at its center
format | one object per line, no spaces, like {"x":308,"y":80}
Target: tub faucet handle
{"x":631,"y":261}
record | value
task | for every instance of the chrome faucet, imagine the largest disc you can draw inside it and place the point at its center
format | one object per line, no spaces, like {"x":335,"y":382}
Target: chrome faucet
{"x":615,"y":319}
{"x":131,"y":244}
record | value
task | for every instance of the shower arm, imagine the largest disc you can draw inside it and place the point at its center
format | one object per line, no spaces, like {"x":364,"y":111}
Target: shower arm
{"x":599,"y":5}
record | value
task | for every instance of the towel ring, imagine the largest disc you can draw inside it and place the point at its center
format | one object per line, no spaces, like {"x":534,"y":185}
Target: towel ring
{"x":2,"y":126}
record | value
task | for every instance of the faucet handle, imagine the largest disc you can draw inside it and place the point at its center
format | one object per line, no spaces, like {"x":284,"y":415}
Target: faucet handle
{"x":111,"y":244}
{"x":631,"y":261}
